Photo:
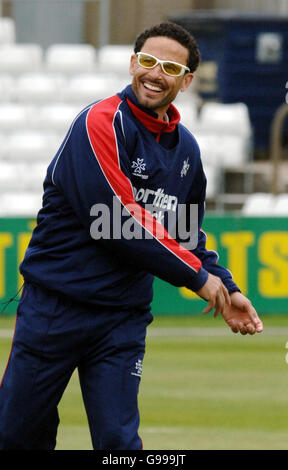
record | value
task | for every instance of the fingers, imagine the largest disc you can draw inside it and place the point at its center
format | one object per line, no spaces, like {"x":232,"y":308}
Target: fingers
{"x":216,"y":294}
{"x":243,"y":328}
{"x":236,"y":309}
{"x":227,"y":295}
{"x":242,"y":316}
{"x":218,"y":302}
{"x":223,"y":300}
{"x":255,"y":320}
{"x":209,"y":307}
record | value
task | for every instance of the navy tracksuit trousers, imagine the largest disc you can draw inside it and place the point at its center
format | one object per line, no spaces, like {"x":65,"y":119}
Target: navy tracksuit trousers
{"x":52,"y":338}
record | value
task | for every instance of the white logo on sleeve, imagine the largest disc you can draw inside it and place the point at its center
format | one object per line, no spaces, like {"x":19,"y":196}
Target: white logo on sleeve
{"x":185,"y":168}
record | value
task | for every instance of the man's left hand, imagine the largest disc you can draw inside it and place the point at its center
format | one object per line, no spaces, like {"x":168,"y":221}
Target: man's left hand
{"x":241,"y":316}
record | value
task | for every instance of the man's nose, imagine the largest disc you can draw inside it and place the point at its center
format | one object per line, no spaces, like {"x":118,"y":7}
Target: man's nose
{"x":156,"y":71}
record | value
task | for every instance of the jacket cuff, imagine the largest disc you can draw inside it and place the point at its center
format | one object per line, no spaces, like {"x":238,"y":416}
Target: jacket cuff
{"x":198,"y":280}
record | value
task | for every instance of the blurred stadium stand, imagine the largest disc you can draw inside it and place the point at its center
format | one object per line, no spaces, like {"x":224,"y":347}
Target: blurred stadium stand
{"x":70,"y":58}
{"x":42,"y":91}
{"x":7,"y":31}
{"x":115,"y":58}
{"x":20,"y":203}
{"x":40,"y":88}
{"x":19,"y":58}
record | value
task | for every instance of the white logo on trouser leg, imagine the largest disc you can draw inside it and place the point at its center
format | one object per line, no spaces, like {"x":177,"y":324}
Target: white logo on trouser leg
{"x":138,"y":368}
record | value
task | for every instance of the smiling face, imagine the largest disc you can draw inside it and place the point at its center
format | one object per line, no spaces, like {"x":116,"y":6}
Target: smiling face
{"x":153,"y":88}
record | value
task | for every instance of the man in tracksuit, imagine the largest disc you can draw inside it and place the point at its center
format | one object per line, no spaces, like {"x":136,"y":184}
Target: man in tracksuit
{"x":125,"y":165}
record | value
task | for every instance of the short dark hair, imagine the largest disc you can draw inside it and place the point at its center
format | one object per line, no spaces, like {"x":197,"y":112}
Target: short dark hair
{"x":173,"y":31}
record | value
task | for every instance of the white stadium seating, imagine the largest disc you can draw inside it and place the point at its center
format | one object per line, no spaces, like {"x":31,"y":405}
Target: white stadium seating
{"x":20,"y":203}
{"x":32,"y":145}
{"x":188,"y":112}
{"x":39,"y":87}
{"x":7,"y":88}
{"x":213,"y":175}
{"x":42,"y":92}
{"x":87,"y":88}
{"x":115,"y":58}
{"x":70,"y":58}
{"x":20,"y":58}
{"x":224,"y":135}
{"x":9,"y":175}
{"x":7,"y":31}
{"x":15,"y":175}
{"x":266,"y":204}
{"x":223,"y":150}
{"x":225,"y":118}
{"x":15,"y":116}
{"x":259,"y":204}
{"x":281,"y":205}
{"x":56,"y":117}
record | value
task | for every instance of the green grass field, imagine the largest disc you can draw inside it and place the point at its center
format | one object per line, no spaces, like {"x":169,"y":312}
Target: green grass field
{"x":202,"y":387}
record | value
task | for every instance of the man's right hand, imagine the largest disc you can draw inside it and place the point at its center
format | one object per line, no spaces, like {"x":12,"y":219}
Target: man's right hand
{"x":215,"y":293}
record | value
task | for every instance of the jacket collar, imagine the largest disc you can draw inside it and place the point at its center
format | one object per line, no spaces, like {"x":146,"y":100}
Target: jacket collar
{"x":148,"y":118}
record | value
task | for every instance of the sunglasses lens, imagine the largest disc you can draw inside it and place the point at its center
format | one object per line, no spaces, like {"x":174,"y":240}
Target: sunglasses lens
{"x":172,"y":69}
{"x":146,"y":61}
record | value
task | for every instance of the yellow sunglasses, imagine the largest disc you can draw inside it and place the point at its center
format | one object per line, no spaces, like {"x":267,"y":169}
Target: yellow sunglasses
{"x":173,"y":69}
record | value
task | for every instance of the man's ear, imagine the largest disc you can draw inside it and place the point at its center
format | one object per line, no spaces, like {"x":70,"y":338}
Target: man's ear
{"x":187,"y":79}
{"x":133,"y":62}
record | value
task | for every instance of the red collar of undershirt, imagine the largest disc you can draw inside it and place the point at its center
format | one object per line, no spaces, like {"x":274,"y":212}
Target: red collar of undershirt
{"x":153,"y":124}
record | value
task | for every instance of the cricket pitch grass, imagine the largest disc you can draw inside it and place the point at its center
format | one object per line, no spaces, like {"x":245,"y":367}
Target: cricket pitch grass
{"x":202,"y":387}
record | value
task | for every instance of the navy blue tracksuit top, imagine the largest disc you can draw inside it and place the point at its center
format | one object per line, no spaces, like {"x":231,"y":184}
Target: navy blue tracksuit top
{"x":116,"y":152}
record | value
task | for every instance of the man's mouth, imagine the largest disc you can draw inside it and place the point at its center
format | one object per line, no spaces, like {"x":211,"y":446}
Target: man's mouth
{"x":151,"y":87}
